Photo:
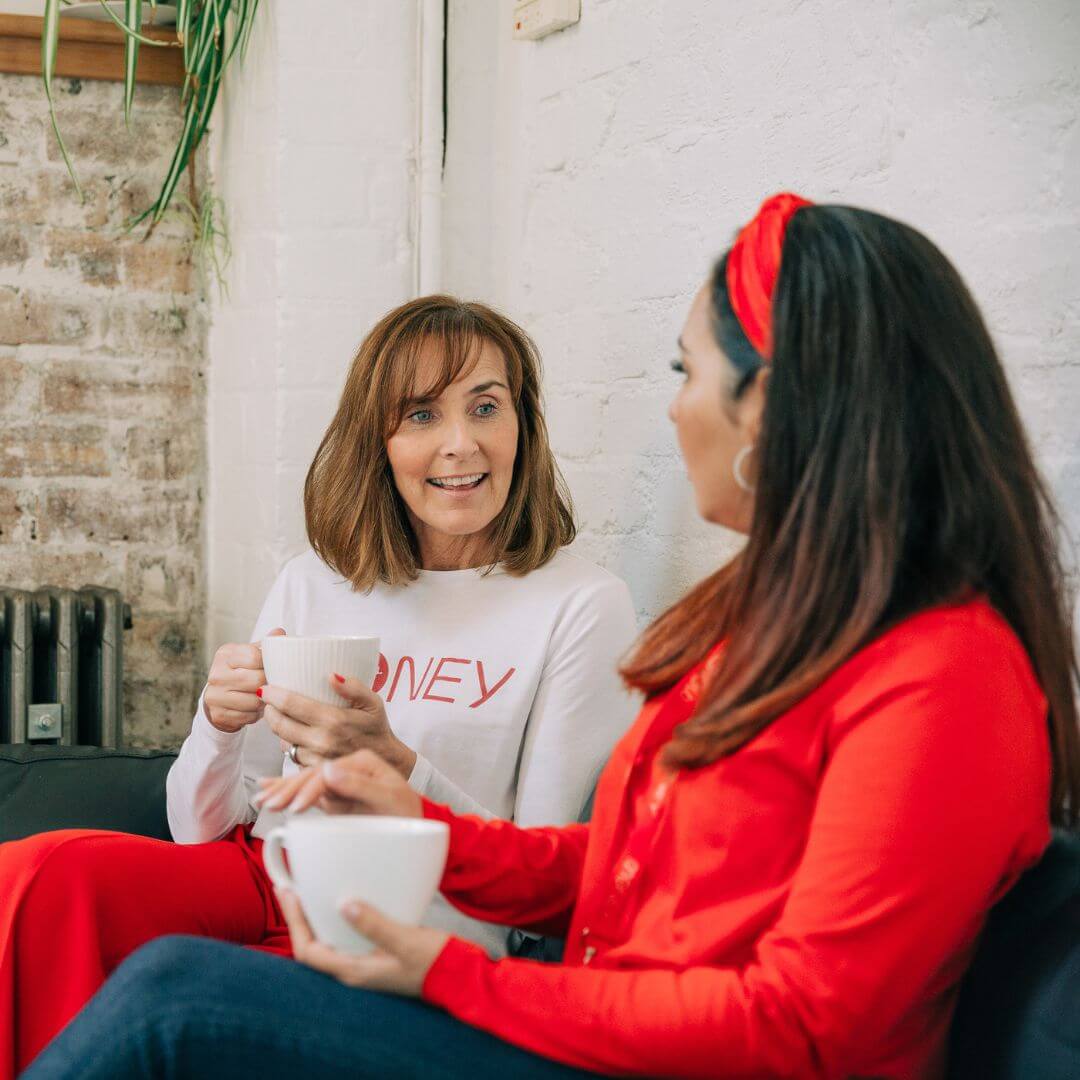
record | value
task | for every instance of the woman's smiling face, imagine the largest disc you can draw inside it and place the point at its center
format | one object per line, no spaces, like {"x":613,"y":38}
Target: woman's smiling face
{"x":452,"y":459}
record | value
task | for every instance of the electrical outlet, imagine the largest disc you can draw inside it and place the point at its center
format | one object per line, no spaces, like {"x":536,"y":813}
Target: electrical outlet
{"x":535,"y":19}
{"x":44,"y":721}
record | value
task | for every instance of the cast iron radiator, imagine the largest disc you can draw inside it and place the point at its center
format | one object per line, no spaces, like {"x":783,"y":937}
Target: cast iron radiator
{"x":61,"y":675}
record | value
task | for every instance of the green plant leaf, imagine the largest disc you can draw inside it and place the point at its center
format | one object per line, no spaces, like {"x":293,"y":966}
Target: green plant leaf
{"x":210,"y":40}
{"x":203,"y":23}
{"x":183,"y":27}
{"x":247,"y":28}
{"x":241,"y":20}
{"x":134,"y":33}
{"x":133,"y":19}
{"x":50,"y":42}
{"x":196,"y":112}
{"x":179,"y":159}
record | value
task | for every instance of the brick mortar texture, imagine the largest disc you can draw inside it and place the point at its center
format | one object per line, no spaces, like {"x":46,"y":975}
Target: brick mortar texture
{"x":102,"y":373}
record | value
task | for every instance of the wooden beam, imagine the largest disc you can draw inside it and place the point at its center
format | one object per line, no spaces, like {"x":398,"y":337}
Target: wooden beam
{"x":87,"y":50}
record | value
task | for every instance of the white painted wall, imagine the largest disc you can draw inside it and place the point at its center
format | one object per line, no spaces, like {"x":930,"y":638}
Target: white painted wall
{"x":591,"y":179}
{"x":593,"y":176}
{"x":314,"y":157}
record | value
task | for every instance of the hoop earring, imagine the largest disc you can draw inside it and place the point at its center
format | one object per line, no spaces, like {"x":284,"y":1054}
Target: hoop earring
{"x":737,"y":468}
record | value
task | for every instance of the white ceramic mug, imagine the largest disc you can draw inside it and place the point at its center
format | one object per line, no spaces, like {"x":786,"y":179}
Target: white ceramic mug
{"x":306,"y":664}
{"x":395,"y":864}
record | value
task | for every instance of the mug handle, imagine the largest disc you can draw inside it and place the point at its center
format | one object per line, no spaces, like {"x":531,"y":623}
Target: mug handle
{"x":274,"y":863}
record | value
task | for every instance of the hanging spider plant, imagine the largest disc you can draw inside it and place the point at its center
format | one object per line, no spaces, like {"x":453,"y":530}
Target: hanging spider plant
{"x":209,"y":39}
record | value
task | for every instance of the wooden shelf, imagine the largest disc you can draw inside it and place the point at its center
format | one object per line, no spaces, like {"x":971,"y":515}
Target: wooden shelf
{"x":88,"y":50}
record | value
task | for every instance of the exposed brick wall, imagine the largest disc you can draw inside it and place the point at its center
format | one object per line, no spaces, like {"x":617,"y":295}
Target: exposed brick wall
{"x":102,"y":371}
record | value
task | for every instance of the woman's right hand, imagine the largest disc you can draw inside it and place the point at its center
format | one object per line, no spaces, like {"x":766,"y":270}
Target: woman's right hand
{"x":358,"y":783}
{"x":237,"y":672}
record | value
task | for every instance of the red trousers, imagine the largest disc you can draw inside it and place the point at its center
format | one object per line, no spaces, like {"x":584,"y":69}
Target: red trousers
{"x":75,"y":903}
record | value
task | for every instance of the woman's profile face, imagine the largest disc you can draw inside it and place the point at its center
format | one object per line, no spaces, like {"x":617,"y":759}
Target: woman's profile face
{"x":452,"y":458}
{"x":712,"y":425}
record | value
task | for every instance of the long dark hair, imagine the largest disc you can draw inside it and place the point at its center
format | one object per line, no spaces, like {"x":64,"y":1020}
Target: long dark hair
{"x":894,"y":475}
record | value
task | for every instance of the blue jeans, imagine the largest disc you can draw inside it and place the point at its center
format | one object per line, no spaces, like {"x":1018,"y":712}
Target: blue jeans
{"x":192,"y":1007}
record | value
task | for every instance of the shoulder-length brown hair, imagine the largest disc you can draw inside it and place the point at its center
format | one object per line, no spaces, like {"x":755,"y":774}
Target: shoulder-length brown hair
{"x":356,"y":520}
{"x":893,"y":475}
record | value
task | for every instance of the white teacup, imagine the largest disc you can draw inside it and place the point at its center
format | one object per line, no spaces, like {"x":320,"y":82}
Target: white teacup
{"x":305,"y":664}
{"x":395,"y":864}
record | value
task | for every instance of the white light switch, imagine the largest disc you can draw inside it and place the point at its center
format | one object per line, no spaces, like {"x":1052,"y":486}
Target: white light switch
{"x":537,"y":18}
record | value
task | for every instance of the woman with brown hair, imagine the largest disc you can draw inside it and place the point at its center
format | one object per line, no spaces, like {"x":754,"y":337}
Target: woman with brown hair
{"x":855,"y":738}
{"x":438,"y":521}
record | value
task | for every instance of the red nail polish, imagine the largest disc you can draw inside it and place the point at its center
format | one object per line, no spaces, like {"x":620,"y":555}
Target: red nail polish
{"x":340,"y":678}
{"x":258,"y":693}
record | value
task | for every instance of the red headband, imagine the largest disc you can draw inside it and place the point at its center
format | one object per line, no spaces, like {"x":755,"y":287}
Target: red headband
{"x":752,"y":266}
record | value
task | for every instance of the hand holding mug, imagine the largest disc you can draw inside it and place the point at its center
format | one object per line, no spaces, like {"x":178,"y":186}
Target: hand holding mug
{"x":343,"y":877}
{"x":402,"y":958}
{"x":231,"y":697}
{"x":321,"y":731}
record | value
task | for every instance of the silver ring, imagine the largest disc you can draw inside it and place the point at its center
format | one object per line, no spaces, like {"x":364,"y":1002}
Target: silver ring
{"x":291,"y":753}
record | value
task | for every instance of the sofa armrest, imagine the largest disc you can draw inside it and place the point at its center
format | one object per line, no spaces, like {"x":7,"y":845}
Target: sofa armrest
{"x":1017,"y":1015}
{"x":82,"y":787}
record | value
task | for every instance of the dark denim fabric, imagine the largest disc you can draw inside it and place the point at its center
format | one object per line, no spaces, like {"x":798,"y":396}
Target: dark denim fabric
{"x":190,"y":1007}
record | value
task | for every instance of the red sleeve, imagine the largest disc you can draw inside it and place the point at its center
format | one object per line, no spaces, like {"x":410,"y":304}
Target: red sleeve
{"x":495,"y":871}
{"x":933,"y":799}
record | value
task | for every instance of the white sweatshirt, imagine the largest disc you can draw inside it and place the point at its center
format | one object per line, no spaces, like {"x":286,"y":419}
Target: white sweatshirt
{"x":505,"y":687}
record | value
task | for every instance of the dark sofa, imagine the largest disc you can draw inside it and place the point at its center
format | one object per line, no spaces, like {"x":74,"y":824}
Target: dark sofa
{"x":82,"y":787}
{"x":1019,"y":1011}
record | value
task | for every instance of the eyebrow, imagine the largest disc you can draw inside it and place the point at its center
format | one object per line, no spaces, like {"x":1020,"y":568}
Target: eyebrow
{"x":681,"y":344}
{"x":479,"y":389}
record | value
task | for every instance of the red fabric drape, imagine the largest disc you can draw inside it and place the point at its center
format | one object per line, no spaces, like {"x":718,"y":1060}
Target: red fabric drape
{"x":75,"y":903}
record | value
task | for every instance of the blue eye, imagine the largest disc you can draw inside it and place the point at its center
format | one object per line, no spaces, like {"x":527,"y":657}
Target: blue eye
{"x":421,"y":416}
{"x":487,"y":408}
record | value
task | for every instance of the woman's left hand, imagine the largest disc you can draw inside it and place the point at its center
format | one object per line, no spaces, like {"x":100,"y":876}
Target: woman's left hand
{"x":399,"y":965}
{"x":321,"y":732}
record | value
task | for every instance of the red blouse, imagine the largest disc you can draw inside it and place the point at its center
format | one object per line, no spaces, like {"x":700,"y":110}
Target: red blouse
{"x":805,"y":907}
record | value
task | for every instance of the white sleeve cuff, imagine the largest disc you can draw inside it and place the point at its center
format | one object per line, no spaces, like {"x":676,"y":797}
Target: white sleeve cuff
{"x":421,"y":775}
{"x":222,"y":740}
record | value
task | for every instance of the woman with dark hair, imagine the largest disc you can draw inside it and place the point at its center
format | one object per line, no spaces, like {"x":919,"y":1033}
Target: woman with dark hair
{"x":855,"y":738}
{"x":438,"y":521}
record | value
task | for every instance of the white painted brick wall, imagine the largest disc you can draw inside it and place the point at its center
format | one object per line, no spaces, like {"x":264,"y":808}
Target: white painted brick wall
{"x":313,"y":154}
{"x":593,"y":176}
